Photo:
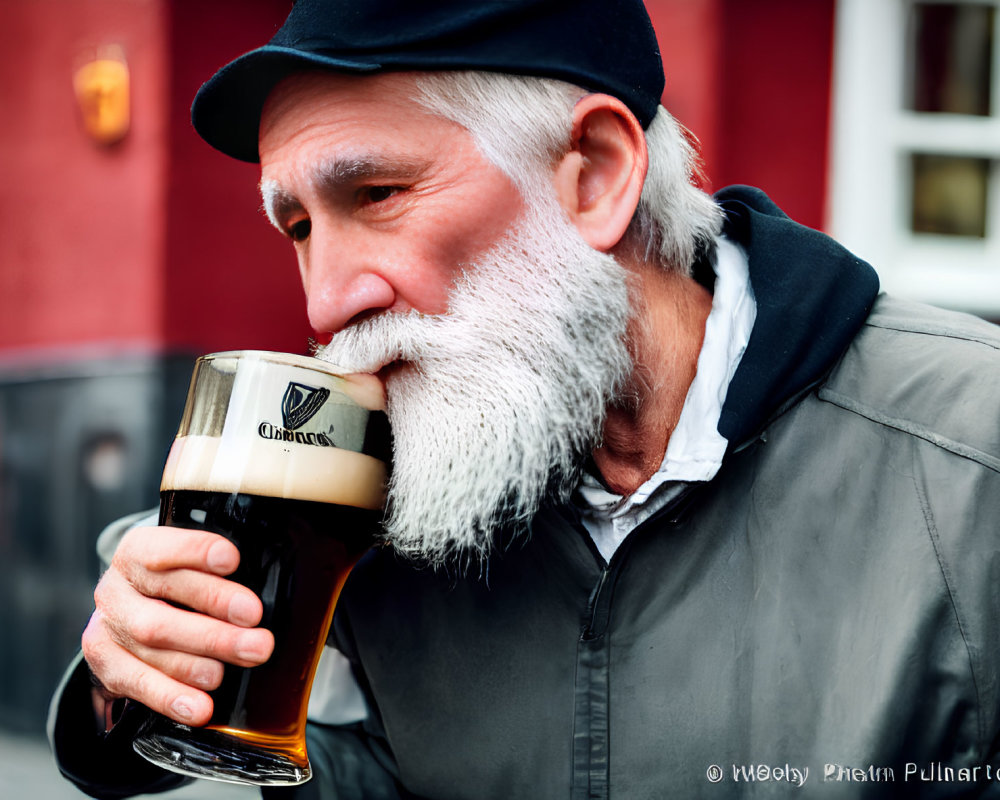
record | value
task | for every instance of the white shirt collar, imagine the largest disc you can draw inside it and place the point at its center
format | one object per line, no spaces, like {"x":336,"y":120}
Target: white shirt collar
{"x":696,"y":448}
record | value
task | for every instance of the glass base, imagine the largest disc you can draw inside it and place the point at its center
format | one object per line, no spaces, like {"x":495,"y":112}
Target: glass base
{"x":215,"y":756}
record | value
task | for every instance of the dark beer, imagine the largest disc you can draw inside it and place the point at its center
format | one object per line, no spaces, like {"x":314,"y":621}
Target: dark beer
{"x":287,"y":460}
{"x":295,"y":555}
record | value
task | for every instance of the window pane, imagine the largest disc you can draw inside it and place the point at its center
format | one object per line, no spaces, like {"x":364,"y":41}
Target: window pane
{"x":949,"y":194}
{"x":950,"y":58}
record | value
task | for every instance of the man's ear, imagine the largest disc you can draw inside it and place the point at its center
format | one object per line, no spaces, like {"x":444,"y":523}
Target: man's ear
{"x":599,"y":181}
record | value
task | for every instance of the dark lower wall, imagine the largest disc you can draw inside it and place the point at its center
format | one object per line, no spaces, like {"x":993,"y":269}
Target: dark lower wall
{"x":81,"y":444}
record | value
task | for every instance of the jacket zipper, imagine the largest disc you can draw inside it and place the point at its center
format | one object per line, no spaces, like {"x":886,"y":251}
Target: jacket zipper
{"x":591,"y":734}
{"x":590,"y":631}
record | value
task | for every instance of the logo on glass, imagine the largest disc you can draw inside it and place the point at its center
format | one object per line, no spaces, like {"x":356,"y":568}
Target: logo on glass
{"x":300,"y":404}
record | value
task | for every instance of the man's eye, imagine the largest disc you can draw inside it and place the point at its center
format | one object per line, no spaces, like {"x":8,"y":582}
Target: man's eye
{"x":300,"y":230}
{"x":378,"y":194}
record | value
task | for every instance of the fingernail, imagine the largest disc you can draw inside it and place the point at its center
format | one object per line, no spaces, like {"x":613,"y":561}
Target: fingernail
{"x":182,"y":707}
{"x":243,"y":610}
{"x":220,"y":557}
{"x":205,"y":678}
{"x":251,"y":648}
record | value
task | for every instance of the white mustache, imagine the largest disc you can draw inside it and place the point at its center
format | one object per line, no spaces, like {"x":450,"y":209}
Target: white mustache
{"x":411,"y":337}
{"x":371,"y":344}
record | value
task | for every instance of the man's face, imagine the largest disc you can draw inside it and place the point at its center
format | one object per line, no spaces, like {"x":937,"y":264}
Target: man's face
{"x":382,"y":200}
{"x":499,"y":334}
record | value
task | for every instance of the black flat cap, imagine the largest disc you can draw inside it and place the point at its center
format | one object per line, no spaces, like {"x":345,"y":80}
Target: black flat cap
{"x":601,"y":45}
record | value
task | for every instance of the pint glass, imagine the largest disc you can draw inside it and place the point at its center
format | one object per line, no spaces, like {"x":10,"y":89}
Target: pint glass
{"x":288,"y":461}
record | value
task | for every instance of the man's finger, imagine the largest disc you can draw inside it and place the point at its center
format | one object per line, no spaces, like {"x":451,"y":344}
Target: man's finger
{"x":198,"y":591}
{"x":123,"y":675}
{"x":183,"y":567}
{"x":162,"y":548}
{"x":138,"y":622}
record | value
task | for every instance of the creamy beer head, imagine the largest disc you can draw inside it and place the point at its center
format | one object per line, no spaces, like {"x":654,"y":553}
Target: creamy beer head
{"x":279,"y":425}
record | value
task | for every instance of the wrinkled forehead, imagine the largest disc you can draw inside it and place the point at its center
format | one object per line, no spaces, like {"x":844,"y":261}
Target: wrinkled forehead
{"x":317,"y":96}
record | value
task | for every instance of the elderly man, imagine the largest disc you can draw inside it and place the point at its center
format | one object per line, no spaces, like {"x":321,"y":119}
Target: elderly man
{"x":676,"y":501}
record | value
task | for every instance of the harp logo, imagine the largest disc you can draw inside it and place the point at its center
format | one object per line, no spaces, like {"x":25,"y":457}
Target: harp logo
{"x":300,"y":404}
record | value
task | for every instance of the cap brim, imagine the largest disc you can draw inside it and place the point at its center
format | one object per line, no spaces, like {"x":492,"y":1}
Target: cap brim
{"x":226,"y":110}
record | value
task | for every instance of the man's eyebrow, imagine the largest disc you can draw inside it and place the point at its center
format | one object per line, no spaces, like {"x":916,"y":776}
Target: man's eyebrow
{"x":329,"y":177}
{"x":279,"y":204}
{"x":351,"y":168}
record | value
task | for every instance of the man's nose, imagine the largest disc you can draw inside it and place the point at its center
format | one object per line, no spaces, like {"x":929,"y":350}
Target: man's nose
{"x":343,"y":280}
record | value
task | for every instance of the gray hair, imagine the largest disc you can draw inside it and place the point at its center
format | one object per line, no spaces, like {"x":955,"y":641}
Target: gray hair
{"x":522,"y":125}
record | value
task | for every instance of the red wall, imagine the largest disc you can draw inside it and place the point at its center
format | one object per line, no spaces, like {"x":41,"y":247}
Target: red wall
{"x":231,"y":279}
{"x":82,"y":228}
{"x":776,"y":95}
{"x":752,"y":81}
{"x":157,"y":241}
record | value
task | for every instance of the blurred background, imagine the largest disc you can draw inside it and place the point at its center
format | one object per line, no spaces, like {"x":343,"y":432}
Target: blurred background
{"x":128,"y":246}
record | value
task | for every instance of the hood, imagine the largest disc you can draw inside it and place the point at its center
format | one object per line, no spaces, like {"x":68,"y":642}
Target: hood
{"x":812,"y":297}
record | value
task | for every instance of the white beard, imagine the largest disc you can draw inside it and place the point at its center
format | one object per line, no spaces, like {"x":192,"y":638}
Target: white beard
{"x":502,"y":397}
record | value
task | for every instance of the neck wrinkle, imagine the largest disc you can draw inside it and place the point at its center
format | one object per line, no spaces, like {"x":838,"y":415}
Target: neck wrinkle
{"x":666,"y":336}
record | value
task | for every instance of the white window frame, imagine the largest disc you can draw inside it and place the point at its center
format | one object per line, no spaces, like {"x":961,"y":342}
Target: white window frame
{"x":873,"y":136}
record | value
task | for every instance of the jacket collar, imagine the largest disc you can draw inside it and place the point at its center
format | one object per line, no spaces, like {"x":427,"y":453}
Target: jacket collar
{"x":812,"y":298}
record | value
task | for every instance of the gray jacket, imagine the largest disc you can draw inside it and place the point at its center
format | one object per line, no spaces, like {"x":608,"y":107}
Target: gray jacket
{"x":829,"y":603}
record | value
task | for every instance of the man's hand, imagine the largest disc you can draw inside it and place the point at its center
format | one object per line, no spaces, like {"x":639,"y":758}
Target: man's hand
{"x":139,"y":644}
